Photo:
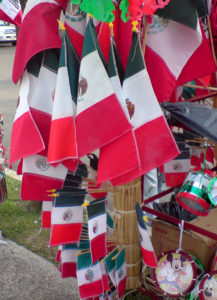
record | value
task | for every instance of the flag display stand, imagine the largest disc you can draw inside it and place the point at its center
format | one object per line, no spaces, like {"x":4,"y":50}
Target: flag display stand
{"x":125,"y":227}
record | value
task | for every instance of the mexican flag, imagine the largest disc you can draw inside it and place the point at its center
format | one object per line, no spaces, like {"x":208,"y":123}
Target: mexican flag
{"x":10,"y":11}
{"x":66,"y":220}
{"x":104,"y":277}
{"x":96,"y":101}
{"x":97,"y":217}
{"x":89,"y":277}
{"x":39,"y":177}
{"x":121,"y":155}
{"x":41,"y":16}
{"x":120,"y":273}
{"x":110,"y":265}
{"x":62,"y":142}
{"x":175,"y":30}
{"x":68,"y":261}
{"x":26,"y":139}
{"x":177,"y":169}
{"x":46,"y":214}
{"x":154,"y":139}
{"x":148,"y":252}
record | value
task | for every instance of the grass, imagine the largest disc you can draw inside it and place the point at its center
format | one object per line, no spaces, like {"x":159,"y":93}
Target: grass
{"x":20,"y":221}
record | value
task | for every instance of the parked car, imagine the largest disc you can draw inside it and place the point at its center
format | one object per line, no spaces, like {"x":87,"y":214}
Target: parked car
{"x":7,"y":33}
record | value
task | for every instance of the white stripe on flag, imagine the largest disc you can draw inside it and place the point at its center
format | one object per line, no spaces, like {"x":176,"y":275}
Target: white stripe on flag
{"x":93,"y":273}
{"x":96,"y":91}
{"x":42,"y":89}
{"x":96,"y":226}
{"x":120,"y":274}
{"x":67,"y":255}
{"x":23,"y":106}
{"x":178,"y":166}
{"x":141,"y":93}
{"x":146,"y":241}
{"x":67,"y":215}
{"x":66,"y":107}
{"x":46,"y":205}
{"x":37,"y":164}
{"x":10,"y":9}
{"x":32,"y":3}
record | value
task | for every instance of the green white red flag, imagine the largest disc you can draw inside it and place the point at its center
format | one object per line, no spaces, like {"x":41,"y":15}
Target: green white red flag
{"x":68,"y":260}
{"x":148,"y":252}
{"x":62,"y":141}
{"x":97,"y":217}
{"x":120,"y":273}
{"x":66,"y":220}
{"x":89,"y":277}
{"x":96,"y":101}
{"x":10,"y":11}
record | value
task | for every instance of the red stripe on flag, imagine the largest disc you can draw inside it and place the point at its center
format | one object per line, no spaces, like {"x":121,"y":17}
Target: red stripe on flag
{"x":68,"y":269}
{"x":62,"y":234}
{"x":98,"y":247}
{"x":149,"y":258}
{"x":162,"y":80}
{"x":173,"y":179}
{"x":60,"y":145}
{"x":25,"y":138}
{"x":121,"y":287}
{"x":91,"y":289}
{"x":100,"y":124}
{"x":156,"y":144}
{"x":46,"y":219}
{"x":105,"y":282}
{"x":34,"y":187}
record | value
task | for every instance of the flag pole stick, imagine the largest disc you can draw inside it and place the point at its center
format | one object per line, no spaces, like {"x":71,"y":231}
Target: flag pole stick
{"x":209,"y":88}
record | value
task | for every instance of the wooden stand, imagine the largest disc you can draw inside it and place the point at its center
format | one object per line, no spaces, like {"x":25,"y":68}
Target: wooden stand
{"x":126,"y":228}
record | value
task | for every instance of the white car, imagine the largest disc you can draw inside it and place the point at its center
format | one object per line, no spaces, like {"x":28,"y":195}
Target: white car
{"x":7,"y":33}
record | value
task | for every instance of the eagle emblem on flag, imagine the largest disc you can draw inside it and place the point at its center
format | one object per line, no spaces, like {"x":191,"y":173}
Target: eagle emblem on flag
{"x":89,"y":275}
{"x":41,"y":164}
{"x":82,"y":86}
{"x":67,"y":216}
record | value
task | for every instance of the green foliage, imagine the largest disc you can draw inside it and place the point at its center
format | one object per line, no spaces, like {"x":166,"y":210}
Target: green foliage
{"x":20,"y":221}
{"x":76,"y":2}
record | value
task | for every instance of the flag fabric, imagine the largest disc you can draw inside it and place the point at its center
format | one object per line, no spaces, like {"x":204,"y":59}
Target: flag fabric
{"x":75,"y":23}
{"x":154,"y":139}
{"x":121,"y":155}
{"x":41,"y":16}
{"x":46,"y":214}
{"x":104,"y":277}
{"x":96,"y":101}
{"x":96,"y":212}
{"x":43,"y":76}
{"x":66,"y":219}
{"x":110,"y":265}
{"x":89,"y":277}
{"x":148,"y":252}
{"x":39,"y":177}
{"x":68,"y":261}
{"x":177,"y":169}
{"x":10,"y":11}
{"x":120,"y":273}
{"x":26,"y":139}
{"x":62,"y":141}
{"x":166,"y":37}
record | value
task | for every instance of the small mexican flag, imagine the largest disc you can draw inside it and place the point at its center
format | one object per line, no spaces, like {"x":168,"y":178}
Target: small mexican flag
{"x":66,"y":220}
{"x":89,"y":277}
{"x":120,"y":273}
{"x":148,"y":253}
{"x":68,"y":261}
{"x":46,"y":214}
{"x":110,"y":265}
{"x":97,"y":228}
{"x":104,"y":277}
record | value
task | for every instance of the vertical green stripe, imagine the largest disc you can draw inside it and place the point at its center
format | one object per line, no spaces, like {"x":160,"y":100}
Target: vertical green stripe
{"x":95,"y":209}
{"x":110,"y":264}
{"x":84,"y":261}
{"x":135,"y":62}
{"x":34,"y":64}
{"x":51,"y":59}
{"x":62,"y":62}
{"x":120,"y":260}
{"x":65,"y":200}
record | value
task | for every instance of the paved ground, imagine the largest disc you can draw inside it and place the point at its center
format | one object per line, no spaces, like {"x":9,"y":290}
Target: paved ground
{"x":23,"y":274}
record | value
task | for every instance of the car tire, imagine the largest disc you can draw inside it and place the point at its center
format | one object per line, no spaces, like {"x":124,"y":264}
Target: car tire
{"x":14,"y":43}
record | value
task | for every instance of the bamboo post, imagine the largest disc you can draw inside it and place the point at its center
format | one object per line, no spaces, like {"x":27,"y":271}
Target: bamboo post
{"x":126,"y":228}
